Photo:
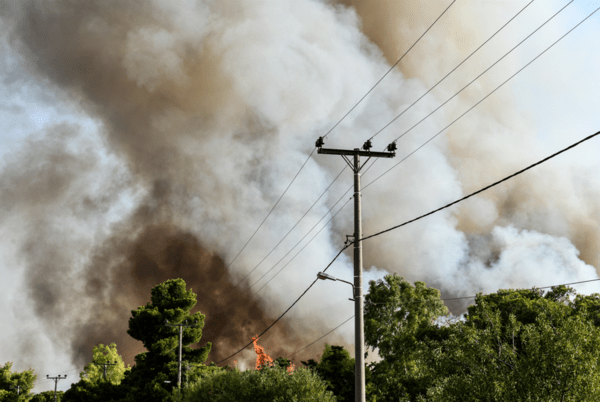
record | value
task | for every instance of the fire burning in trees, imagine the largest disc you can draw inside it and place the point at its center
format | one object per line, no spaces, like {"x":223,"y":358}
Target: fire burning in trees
{"x":262,"y":358}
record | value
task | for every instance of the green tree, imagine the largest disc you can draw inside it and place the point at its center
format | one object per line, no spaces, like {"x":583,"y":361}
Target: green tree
{"x":147,"y":379}
{"x":272,"y":383}
{"x":93,"y":372}
{"x":47,"y":396}
{"x":93,"y":386}
{"x":521,"y":345}
{"x":8,"y":381}
{"x":398,"y":317}
{"x":336,"y":368}
{"x":513,"y":345}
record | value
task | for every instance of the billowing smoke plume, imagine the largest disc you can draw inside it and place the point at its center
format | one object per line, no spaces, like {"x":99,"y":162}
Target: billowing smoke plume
{"x":202,"y":113}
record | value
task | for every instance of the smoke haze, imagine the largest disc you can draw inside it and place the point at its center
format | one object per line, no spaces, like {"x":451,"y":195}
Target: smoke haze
{"x":199,"y":114}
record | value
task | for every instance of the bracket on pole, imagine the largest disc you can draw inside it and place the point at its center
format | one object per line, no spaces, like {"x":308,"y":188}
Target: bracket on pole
{"x":348,"y":241}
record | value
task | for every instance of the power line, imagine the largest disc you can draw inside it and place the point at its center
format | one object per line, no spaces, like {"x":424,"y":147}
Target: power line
{"x":472,"y":53}
{"x":316,"y":234}
{"x":312,"y":343}
{"x":544,"y":287}
{"x":290,"y":231}
{"x":415,"y":219}
{"x":422,"y":301}
{"x":415,"y":151}
{"x":328,"y":132}
{"x":483,"y":189}
{"x":430,"y":89}
{"x":288,"y":309}
{"x":271,"y":210}
{"x":472,"y":81}
{"x":481,"y":100}
{"x":390,"y":69}
{"x":454,"y":69}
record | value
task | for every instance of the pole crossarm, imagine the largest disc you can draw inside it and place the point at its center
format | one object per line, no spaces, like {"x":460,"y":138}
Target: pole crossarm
{"x":105,"y":365}
{"x":56,"y":379}
{"x":359,"y":152}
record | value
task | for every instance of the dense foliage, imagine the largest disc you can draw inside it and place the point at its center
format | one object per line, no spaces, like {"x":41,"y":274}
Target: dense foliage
{"x":154,"y":375}
{"x":15,"y":387}
{"x":48,"y":396}
{"x":271,"y":383}
{"x":523,"y":345}
{"x":513,"y":345}
{"x":336,"y":368}
{"x":170,"y":301}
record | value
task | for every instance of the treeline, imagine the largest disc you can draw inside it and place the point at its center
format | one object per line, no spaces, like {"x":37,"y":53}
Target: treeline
{"x":513,"y":345}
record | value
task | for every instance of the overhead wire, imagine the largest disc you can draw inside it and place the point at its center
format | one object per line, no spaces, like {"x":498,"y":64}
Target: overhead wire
{"x":323,"y":336}
{"x":472,"y":81}
{"x":410,"y":106}
{"x":299,"y":251}
{"x":439,"y":81}
{"x":391,"y":68}
{"x":481,"y":100}
{"x":454,"y":69}
{"x":289,"y":231}
{"x":271,"y":210}
{"x":329,"y":131}
{"x":483,"y":189}
{"x":422,"y":301}
{"x":422,"y":215}
{"x":416,"y":219}
{"x":288,"y":309}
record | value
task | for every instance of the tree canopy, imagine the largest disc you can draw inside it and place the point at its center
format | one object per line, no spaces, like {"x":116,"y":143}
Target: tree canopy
{"x":102,"y":355}
{"x":170,"y":301}
{"x":155,"y":373}
{"x":15,"y":386}
{"x":513,"y":345}
{"x":270,"y":383}
{"x":336,"y":368}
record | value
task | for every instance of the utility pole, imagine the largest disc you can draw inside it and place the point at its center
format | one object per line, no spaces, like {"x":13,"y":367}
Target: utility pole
{"x":105,"y":365}
{"x":56,"y":379}
{"x":18,"y":388}
{"x":359,"y":324}
{"x":181,"y":326}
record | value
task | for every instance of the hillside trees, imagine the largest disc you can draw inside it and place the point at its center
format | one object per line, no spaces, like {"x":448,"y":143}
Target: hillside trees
{"x":48,"y":396}
{"x":155,"y":373}
{"x":93,"y":372}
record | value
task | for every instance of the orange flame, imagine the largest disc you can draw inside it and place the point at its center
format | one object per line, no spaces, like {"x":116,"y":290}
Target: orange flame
{"x":291,"y":368}
{"x":261,"y":357}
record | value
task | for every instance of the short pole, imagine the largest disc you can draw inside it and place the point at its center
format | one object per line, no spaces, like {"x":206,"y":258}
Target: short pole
{"x":56,"y":379}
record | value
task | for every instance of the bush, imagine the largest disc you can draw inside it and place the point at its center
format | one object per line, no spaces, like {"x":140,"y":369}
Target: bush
{"x":273,"y":384}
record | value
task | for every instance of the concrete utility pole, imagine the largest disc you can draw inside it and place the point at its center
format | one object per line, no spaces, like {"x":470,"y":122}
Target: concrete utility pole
{"x":56,"y":379}
{"x":181,"y":326}
{"x":359,"y":324}
{"x":105,"y":365}
{"x":18,"y":388}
